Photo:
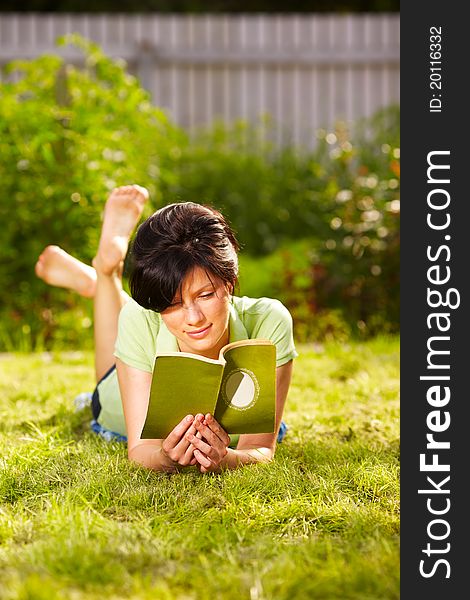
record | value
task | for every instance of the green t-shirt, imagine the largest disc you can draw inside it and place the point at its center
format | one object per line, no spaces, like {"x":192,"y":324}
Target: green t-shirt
{"x":142,"y":332}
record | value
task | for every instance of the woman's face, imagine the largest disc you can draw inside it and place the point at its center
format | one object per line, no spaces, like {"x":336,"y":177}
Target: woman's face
{"x":199,"y":317}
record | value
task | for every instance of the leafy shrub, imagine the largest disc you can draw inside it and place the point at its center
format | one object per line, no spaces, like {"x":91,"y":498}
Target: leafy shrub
{"x":343,"y":198}
{"x":270,"y":195}
{"x":319,"y":229}
{"x":289,"y":274}
{"x":358,"y":261}
{"x":68,"y":135}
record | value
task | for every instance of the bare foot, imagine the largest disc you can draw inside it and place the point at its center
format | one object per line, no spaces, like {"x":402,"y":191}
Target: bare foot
{"x":57,"y":267}
{"x":121,"y":214}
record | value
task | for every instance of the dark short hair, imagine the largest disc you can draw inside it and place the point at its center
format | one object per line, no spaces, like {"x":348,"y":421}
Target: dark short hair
{"x":174,"y":240}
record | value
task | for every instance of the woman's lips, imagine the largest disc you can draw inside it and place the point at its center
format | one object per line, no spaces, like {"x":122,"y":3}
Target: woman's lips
{"x":200,"y":333}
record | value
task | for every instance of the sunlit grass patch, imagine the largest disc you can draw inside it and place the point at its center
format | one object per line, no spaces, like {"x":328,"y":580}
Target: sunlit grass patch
{"x":77,"y":520}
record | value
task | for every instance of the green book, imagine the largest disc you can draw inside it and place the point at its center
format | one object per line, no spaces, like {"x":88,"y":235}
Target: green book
{"x":239,"y":389}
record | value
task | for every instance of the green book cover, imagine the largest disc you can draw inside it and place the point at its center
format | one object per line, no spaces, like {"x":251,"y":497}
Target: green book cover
{"x":239,"y":389}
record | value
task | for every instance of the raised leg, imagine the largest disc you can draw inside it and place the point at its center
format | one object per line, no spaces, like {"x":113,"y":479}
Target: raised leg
{"x":122,"y":212}
{"x":57,"y":267}
{"x":103,"y":281}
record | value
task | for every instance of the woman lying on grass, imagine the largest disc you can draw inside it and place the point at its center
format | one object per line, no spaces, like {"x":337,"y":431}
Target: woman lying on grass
{"x":184,"y":272}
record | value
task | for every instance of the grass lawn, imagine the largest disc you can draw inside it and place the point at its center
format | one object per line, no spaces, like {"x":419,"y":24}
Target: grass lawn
{"x":321,"y":521}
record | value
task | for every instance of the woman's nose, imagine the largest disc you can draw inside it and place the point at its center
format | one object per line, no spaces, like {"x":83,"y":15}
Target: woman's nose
{"x":194,"y":315}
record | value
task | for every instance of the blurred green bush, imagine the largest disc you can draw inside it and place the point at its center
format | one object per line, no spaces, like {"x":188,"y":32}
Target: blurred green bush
{"x":319,"y":229}
{"x":323,"y":224}
{"x":68,"y":135}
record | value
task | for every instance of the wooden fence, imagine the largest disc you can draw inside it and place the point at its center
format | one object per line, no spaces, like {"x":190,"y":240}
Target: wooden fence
{"x":306,"y":71}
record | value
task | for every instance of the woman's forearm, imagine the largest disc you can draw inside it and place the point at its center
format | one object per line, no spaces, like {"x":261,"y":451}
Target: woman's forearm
{"x":153,"y":457}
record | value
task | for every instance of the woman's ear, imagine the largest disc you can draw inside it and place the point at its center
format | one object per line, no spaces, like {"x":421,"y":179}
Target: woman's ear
{"x":230,"y":289}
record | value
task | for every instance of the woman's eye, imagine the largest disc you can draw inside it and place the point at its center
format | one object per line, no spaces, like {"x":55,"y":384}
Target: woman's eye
{"x":208,"y":295}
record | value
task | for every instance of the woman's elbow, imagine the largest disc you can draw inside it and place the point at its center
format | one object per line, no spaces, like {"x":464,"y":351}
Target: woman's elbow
{"x":262,"y":455}
{"x":151,"y":457}
{"x":134,"y":456}
{"x":141,"y":455}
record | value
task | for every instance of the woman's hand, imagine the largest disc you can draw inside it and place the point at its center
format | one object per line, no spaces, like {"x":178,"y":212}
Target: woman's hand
{"x":176,"y":447}
{"x":209,"y":443}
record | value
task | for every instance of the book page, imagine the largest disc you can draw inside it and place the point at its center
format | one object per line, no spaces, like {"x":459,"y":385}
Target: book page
{"x":181,"y":385}
{"x":247,"y":398}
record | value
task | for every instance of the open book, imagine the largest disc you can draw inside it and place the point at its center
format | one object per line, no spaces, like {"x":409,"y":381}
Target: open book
{"x":239,"y":389}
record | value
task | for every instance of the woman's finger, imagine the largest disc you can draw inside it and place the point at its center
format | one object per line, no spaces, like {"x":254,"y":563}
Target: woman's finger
{"x":202,"y":459}
{"x":219,"y":448}
{"x":214,"y":425}
{"x":214,"y":453}
{"x":207,"y":433}
{"x":183,"y":452}
{"x":188,"y":457}
{"x":199,"y":444}
{"x":177,"y":433}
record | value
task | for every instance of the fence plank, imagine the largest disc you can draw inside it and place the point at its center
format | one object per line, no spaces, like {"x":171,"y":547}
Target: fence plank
{"x":304,"y":70}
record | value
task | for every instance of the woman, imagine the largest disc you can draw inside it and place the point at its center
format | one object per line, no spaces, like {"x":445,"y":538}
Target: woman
{"x":184,"y":272}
